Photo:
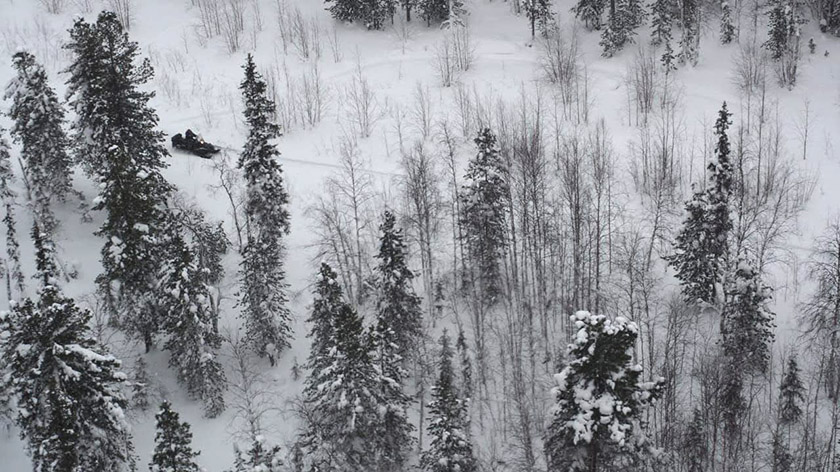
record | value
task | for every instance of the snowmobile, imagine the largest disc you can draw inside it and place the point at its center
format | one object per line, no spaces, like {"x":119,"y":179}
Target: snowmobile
{"x":192,"y":143}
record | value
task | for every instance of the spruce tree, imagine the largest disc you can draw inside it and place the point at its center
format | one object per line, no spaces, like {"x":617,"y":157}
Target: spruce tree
{"x":782,"y":27}
{"x":259,"y":458}
{"x":483,"y":216}
{"x":450,"y":447}
{"x":433,"y":11}
{"x":327,"y":302}
{"x":184,"y":306}
{"x":695,"y":446}
{"x":394,"y":338}
{"x":689,"y":22}
{"x":342,"y":431}
{"x":397,"y":306}
{"x":466,"y":365}
{"x":591,"y":12}
{"x":830,"y":17}
{"x":121,"y":149}
{"x":70,"y":408}
{"x":263,"y":294}
{"x":747,"y":322}
{"x":370,"y":13}
{"x":14,"y":273}
{"x":597,"y":421}
{"x":791,"y":394}
{"x":701,"y":247}
{"x":623,"y":21}
{"x":661,"y":12}
{"x":727,"y":29}
{"x":540,"y":15}
{"x":173,"y":443}
{"x":38,"y":120}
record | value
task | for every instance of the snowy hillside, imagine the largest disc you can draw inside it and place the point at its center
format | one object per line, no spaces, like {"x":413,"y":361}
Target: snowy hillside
{"x":599,"y":155}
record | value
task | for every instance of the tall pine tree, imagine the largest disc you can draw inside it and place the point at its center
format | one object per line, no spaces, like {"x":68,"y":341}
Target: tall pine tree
{"x":483,"y":216}
{"x":70,"y":408}
{"x":14,"y":273}
{"x":397,"y":306}
{"x":395,"y":335}
{"x":342,"y":431}
{"x":701,"y":247}
{"x":450,"y":449}
{"x":173,"y":443}
{"x":263,"y":294}
{"x":184,"y":305}
{"x":120,"y":147}
{"x":38,"y":120}
{"x":597,"y":422}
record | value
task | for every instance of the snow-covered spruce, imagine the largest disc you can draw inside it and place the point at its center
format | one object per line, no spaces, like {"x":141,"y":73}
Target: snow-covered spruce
{"x":597,"y":421}
{"x":12,"y":269}
{"x":183,"y":301}
{"x":38,"y":120}
{"x":622,"y":23}
{"x":173,"y":443}
{"x":342,"y":427}
{"x":397,"y":306}
{"x":701,"y":247}
{"x":259,"y":458}
{"x":120,"y":147}
{"x":450,"y":448}
{"x":483,"y":216}
{"x":263,"y":293}
{"x":66,"y":387}
{"x":747,"y":322}
{"x":394,"y":336}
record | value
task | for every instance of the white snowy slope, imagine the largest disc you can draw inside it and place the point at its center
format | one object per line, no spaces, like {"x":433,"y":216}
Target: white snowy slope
{"x":197,"y":87}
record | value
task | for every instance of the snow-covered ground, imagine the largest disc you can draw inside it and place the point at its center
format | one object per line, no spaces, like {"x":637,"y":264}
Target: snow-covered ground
{"x":197,"y":87}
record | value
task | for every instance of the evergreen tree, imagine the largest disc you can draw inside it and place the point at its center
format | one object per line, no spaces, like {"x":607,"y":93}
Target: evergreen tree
{"x":173,"y":443}
{"x":190,"y":323}
{"x":701,"y":245}
{"x":263,"y":296}
{"x":539,"y":13}
{"x":450,"y":447}
{"x":689,"y":20}
{"x":747,"y":322}
{"x":623,"y":21}
{"x":483,"y":215}
{"x":70,"y":408}
{"x":466,"y":365}
{"x":591,"y":12}
{"x":782,"y":458}
{"x":328,"y":300}
{"x":371,"y":13}
{"x":120,"y":147}
{"x":830,"y":17}
{"x":342,"y":432}
{"x":397,"y":306}
{"x":259,"y":458}
{"x":694,"y":444}
{"x":727,"y":29}
{"x":661,"y":20}
{"x":791,"y":394}
{"x":433,"y":11}
{"x":597,"y":421}
{"x":394,"y":337}
{"x":14,"y":273}
{"x":38,"y":120}
{"x":782,"y":26}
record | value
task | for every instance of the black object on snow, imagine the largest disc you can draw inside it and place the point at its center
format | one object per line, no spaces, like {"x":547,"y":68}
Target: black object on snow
{"x":192,"y":143}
